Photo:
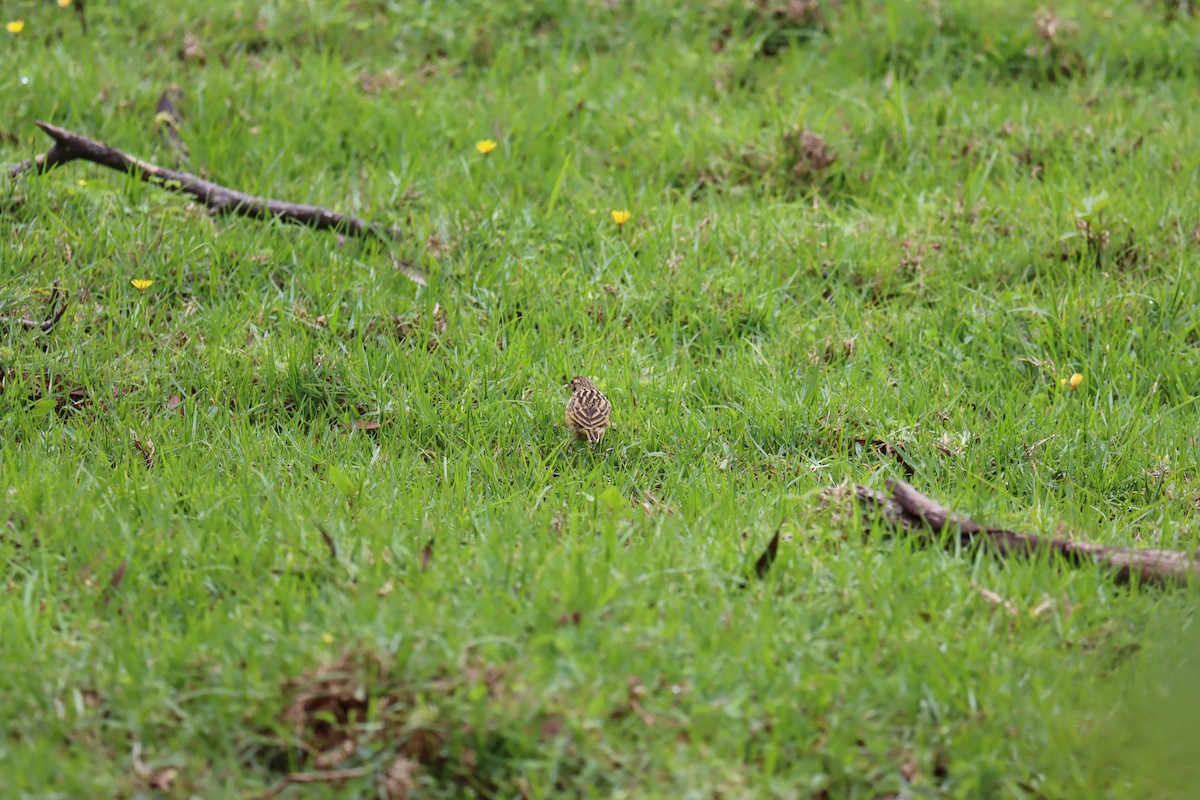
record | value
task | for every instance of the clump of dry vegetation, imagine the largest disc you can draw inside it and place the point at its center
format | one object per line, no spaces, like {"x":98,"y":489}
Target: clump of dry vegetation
{"x":795,"y":163}
{"x":357,"y":719}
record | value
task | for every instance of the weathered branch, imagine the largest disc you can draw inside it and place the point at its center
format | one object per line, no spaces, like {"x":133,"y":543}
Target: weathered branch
{"x":52,"y":316}
{"x":908,"y":510}
{"x":69,"y":146}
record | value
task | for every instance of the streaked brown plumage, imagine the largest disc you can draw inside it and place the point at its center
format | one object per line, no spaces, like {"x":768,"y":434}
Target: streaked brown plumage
{"x":588,"y":410}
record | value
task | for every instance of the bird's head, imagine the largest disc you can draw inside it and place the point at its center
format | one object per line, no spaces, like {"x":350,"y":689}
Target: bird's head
{"x":579,"y":383}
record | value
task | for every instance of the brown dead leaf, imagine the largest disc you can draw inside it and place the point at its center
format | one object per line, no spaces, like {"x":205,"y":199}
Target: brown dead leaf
{"x":941,"y":765}
{"x":807,"y":154}
{"x":146,"y":448}
{"x":634,"y":692}
{"x":427,"y":554}
{"x":118,"y":575}
{"x":159,"y":780}
{"x":569,"y":619}
{"x":437,"y":247}
{"x":377,"y":82}
{"x":1042,"y":607}
{"x":327,"y":705}
{"x":652,"y":504}
{"x":192,"y":50}
{"x":113,"y":583}
{"x":397,"y":782}
{"x":833,"y":350}
{"x":175,"y":402}
{"x":439,"y":318}
{"x":333,"y":553}
{"x":763,"y":565}
{"x":995,"y":599}
{"x":1051,"y":27}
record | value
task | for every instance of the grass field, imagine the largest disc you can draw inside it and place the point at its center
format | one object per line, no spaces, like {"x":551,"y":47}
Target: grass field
{"x":287,"y":513}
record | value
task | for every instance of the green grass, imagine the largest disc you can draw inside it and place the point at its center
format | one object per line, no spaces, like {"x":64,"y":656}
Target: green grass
{"x":558,"y":620}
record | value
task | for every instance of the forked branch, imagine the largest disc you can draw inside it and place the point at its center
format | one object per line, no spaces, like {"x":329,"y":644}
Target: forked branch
{"x":69,"y":146}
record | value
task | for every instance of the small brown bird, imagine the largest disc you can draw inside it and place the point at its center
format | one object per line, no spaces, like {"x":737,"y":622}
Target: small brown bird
{"x":588,"y":410}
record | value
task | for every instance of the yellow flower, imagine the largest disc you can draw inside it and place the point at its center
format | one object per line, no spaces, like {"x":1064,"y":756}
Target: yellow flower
{"x":486,"y":146}
{"x":1076,"y":379}
{"x":16,"y":26}
{"x":81,"y":182}
{"x":621,"y":217}
{"x":141,"y":284}
{"x":64,"y":3}
{"x":327,"y":638}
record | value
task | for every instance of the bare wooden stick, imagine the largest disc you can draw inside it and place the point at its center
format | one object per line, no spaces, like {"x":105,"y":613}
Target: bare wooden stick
{"x":69,"y":146}
{"x":52,"y":316}
{"x":909,"y":510}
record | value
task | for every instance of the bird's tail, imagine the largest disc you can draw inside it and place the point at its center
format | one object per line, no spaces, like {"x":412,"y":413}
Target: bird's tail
{"x":594,"y":434}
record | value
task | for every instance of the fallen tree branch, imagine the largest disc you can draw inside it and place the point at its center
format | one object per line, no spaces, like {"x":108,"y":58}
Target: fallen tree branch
{"x":69,"y":146}
{"x":52,"y":316}
{"x":908,"y":510}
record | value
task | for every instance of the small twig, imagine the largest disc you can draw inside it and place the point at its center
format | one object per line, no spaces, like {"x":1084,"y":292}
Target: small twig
{"x":333,"y":554}
{"x":69,"y":146}
{"x":115,"y":581}
{"x":329,"y":776}
{"x":26,"y":323}
{"x":52,"y":320}
{"x":79,"y":4}
{"x":1029,"y":450}
{"x":52,"y":316}
{"x":763,"y":565}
